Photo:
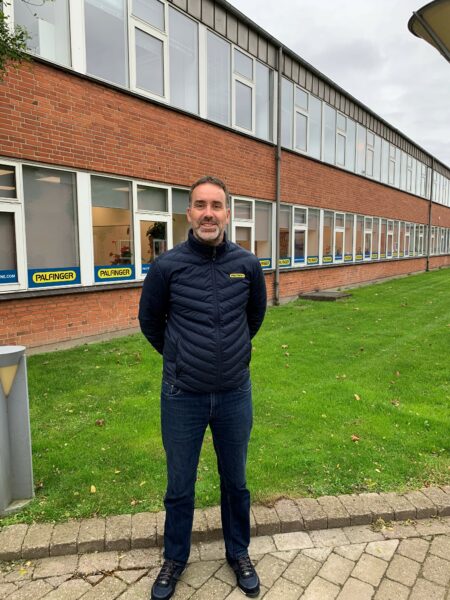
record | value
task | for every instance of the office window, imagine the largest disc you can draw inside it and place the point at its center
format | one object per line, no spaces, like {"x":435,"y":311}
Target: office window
{"x":152,"y":198}
{"x":285,"y":235}
{"x":383,"y":238}
{"x":150,"y":11}
{"x":7,"y":182}
{"x":401,"y":243}
{"x":243,"y":65}
{"x":243,"y":210}
{"x":394,"y":166}
{"x":367,"y":238}
{"x":327,"y":237}
{"x":329,"y":149}
{"x":375,"y":237}
{"x":370,"y":154}
{"x":264,"y":102}
{"x":180,"y":224}
{"x":218,"y":79}
{"x":341,"y":138}
{"x":377,"y":159}
{"x":359,"y":236}
{"x":244,"y":237}
{"x":300,"y":226}
{"x":349,"y":222}
{"x":301,"y":119}
{"x":8,"y":261}
{"x":149,"y":63}
{"x":50,"y":218}
{"x":350,"y":153}
{"x":339,"y":232}
{"x":403,"y":162}
{"x":243,"y":99}
{"x":287,"y":112}
{"x":313,"y":236}
{"x":112,"y":222}
{"x":106,"y":40}
{"x":183,"y":52}
{"x":411,"y":174}
{"x":47,"y":24}
{"x":315,"y":127}
{"x":360,"y":150}
{"x":407,"y":239}
{"x":384,"y":161}
{"x":395,"y":246}
{"x":153,"y":238}
{"x":263,"y":231}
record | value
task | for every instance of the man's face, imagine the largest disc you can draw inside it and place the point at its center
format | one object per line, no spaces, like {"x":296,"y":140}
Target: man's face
{"x":208,"y":213}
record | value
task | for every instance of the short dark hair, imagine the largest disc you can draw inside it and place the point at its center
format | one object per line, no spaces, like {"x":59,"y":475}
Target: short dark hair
{"x":213,"y":181}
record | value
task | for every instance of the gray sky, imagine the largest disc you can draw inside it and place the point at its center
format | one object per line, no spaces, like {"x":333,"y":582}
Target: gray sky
{"x":365,"y":47}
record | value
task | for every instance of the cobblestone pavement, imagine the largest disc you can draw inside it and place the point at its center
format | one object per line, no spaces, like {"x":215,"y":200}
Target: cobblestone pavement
{"x":402,"y":561}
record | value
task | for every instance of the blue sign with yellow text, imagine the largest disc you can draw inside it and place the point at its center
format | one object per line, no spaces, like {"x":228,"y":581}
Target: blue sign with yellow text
{"x":108,"y":273}
{"x":8,"y":276}
{"x":40,"y":278}
{"x":266,"y":263}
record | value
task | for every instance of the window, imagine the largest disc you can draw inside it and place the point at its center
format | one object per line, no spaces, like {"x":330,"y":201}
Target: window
{"x":341,"y":138}
{"x":339,"y":233}
{"x":112,"y":229}
{"x":152,"y":199}
{"x":8,"y":188}
{"x":243,"y":225}
{"x":106,"y":40}
{"x":243,"y":210}
{"x":153,"y":238}
{"x":152,"y":228}
{"x":263,"y":233}
{"x":349,"y":223}
{"x":243,"y":90}
{"x":8,"y":260}
{"x":301,"y":119}
{"x":359,"y":249}
{"x":180,"y":224}
{"x":383,"y":234}
{"x":329,"y":142}
{"x":403,"y":162}
{"x":300,"y":227}
{"x":47,"y":24}
{"x":394,"y":166}
{"x":360,"y":150}
{"x":285,"y":235}
{"x":407,"y":239}
{"x":327,"y":237}
{"x":149,"y":62}
{"x":151,"y":12}
{"x":370,"y":154}
{"x":315,"y":127}
{"x":377,"y":159}
{"x":287,"y":112}
{"x":375,"y":238}
{"x":183,"y":52}
{"x":384,"y":161}
{"x":218,"y":79}
{"x":402,"y":239}
{"x":313,"y":236}
{"x":367,"y":238}
{"x":390,"y":239}
{"x":395,"y":247}
{"x":264,"y":101}
{"x":51,"y":227}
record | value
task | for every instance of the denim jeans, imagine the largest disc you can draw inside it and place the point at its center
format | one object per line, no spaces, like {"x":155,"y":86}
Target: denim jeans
{"x":184,"y":418}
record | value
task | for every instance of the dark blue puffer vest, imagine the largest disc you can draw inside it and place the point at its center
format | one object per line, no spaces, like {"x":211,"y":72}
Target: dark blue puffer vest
{"x":200,"y":307}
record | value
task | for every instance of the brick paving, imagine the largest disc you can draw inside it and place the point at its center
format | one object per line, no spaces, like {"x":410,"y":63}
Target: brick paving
{"x":381,"y":561}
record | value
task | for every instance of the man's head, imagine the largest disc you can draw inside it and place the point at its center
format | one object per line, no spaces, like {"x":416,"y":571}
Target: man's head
{"x":208,"y":211}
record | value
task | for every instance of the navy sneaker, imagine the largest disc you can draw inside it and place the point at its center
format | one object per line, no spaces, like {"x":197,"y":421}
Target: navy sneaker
{"x":165,"y":583}
{"x":246,"y":576}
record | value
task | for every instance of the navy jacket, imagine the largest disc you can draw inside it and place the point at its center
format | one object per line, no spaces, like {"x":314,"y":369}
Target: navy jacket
{"x":200,"y":307}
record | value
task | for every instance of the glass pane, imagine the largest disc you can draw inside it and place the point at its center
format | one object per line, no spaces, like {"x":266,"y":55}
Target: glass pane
{"x":7,"y":182}
{"x":367,"y":245}
{"x":183,"y":46}
{"x":150,"y":11}
{"x":7,"y":245}
{"x":315,"y":127}
{"x":299,"y":248}
{"x":384,"y":161}
{"x":263,"y":229}
{"x":218,"y":79}
{"x":287,"y":112}
{"x":243,"y":65}
{"x":300,"y":216}
{"x":360,"y":149}
{"x":339,"y":220}
{"x":149,"y":63}
{"x":111,"y":218}
{"x":243,"y":105}
{"x":153,"y":240}
{"x":47,"y":24}
{"x":340,"y":149}
{"x":242,"y":209}
{"x":359,"y":237}
{"x":313,"y":236}
{"x":106,"y":40}
{"x":349,"y":237}
{"x":244,"y":237}
{"x":330,"y":134}
{"x":149,"y":198}
{"x":264,"y":101}
{"x":301,"y":127}
{"x":50,"y":218}
{"x":285,"y":230}
{"x":327,"y":239}
{"x":341,"y":122}
{"x":180,"y":201}
{"x":301,"y":98}
{"x":338,"y":245}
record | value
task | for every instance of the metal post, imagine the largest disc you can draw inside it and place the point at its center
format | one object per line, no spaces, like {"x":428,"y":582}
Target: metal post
{"x":16,"y":469}
{"x":278,"y":183}
{"x":430,"y":206}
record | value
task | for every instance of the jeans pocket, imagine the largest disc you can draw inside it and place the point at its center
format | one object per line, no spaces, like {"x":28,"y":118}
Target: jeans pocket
{"x":246,"y":386}
{"x":170,"y":390}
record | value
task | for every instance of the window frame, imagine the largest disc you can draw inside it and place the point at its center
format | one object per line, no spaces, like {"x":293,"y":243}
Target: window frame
{"x":237,"y":77}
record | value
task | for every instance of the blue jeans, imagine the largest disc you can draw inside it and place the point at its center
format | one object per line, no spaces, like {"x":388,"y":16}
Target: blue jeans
{"x":184,"y":418}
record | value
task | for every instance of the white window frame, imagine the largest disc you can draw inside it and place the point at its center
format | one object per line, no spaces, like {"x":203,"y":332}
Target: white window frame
{"x":305,"y":113}
{"x":247,"y":223}
{"x":251,"y":83}
{"x":368,"y":230}
{"x":338,"y":229}
{"x":15,"y":206}
{"x":343,"y":134}
{"x":301,"y":227}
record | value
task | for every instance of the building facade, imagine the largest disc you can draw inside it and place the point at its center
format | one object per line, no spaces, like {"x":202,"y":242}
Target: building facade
{"x":127,"y":102}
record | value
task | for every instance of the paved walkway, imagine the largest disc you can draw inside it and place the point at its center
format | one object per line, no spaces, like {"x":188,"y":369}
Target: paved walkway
{"x":402,"y":561}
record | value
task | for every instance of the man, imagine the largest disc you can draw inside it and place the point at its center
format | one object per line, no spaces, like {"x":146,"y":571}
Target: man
{"x":201,"y":304}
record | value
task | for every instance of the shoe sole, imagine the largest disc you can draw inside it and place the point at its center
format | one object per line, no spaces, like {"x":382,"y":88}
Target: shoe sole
{"x":250,"y":594}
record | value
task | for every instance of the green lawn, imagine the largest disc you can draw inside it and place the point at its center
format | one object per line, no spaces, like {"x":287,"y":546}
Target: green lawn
{"x":375,"y":366}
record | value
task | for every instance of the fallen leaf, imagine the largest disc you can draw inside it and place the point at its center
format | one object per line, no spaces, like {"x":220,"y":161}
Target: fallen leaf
{"x":395,"y":402}
{"x":284,"y":346}
{"x":100,"y":422}
{"x":142,"y":483}
{"x":93,"y":489}
{"x":355,"y":438}
{"x":286,"y":353}
{"x":116,"y":471}
{"x":397,"y":373}
{"x":356,"y":397}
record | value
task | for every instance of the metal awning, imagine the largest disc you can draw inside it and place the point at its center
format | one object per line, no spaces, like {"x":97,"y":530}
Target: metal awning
{"x":432,"y":24}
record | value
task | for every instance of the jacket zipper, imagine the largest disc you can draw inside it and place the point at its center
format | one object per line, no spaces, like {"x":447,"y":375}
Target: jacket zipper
{"x":216,"y":319}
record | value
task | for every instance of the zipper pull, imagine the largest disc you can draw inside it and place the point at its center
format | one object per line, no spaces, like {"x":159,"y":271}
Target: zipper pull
{"x":214,"y":253}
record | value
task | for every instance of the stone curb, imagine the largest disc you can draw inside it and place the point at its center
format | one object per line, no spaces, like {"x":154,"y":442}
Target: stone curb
{"x":144,"y":530}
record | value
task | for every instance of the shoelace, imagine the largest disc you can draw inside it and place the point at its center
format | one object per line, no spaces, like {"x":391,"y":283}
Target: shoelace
{"x":166,"y":573}
{"x":245,"y":566}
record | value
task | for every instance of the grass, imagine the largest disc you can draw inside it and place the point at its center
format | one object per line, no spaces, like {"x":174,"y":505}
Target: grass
{"x":375,"y":367}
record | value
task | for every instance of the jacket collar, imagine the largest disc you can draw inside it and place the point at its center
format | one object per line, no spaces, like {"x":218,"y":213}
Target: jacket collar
{"x":205,"y":249}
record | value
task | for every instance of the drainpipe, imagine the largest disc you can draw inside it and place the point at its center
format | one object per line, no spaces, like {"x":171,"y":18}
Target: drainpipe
{"x":278,"y":183}
{"x":430,"y":205}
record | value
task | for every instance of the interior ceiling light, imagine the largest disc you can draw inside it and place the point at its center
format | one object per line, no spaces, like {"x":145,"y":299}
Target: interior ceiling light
{"x":50,"y":179}
{"x":432,"y":24}
{"x":6,"y":172}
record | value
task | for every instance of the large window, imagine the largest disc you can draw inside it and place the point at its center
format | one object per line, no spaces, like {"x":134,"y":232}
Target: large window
{"x":51,"y":226}
{"x":8,"y":260}
{"x":218,"y":79}
{"x":106,"y":40}
{"x":183,"y":43}
{"x":285,"y":235}
{"x":313,"y":236}
{"x":329,"y":147}
{"x":264,"y":101}
{"x":327,"y":237}
{"x":47,"y":24}
{"x":112,"y":229}
{"x":349,"y":225}
{"x":243,"y":82}
{"x":263,"y":233}
{"x":180,"y":224}
{"x":359,"y":247}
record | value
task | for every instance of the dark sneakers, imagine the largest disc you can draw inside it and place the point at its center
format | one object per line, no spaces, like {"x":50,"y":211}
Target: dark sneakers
{"x":247,"y":577}
{"x":165,"y":583}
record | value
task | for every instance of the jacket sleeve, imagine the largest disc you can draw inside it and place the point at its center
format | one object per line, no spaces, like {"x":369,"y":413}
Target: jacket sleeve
{"x":257,"y":303}
{"x":153,"y":307}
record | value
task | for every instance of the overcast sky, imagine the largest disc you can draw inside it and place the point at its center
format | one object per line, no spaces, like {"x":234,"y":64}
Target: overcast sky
{"x":365,"y":47}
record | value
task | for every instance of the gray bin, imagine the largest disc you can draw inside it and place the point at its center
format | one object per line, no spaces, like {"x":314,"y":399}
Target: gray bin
{"x":16,"y":469}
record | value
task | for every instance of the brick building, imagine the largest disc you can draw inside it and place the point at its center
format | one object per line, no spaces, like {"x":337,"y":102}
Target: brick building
{"x":126,"y":103}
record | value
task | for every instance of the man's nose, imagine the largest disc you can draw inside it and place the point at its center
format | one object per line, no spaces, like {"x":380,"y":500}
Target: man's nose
{"x":208,"y":210}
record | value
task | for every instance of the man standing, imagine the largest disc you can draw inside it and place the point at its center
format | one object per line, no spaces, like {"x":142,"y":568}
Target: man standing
{"x":201,"y":304}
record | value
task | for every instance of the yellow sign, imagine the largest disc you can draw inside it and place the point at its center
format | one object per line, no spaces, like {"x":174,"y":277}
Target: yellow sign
{"x":284,"y":262}
{"x":237,"y":275}
{"x":54,"y":276}
{"x":313,"y":260}
{"x":113,"y":272}
{"x":265,"y":263}
{"x":327,"y":259}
